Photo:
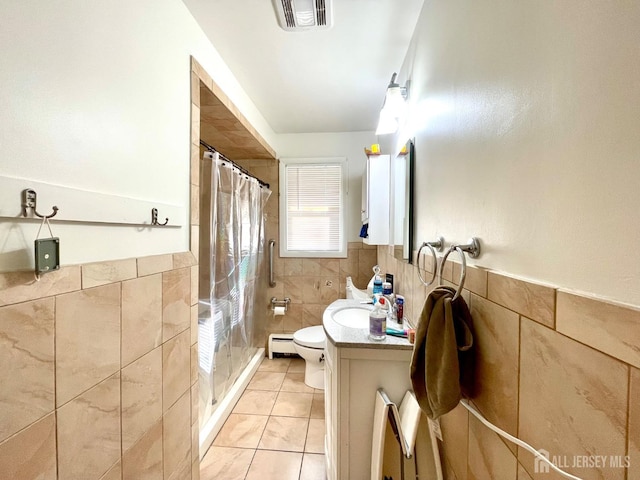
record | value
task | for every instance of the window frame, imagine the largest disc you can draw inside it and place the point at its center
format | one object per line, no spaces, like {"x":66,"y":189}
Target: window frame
{"x":283,"y":219}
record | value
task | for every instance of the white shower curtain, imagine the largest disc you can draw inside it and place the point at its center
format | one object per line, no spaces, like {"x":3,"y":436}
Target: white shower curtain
{"x":234,"y":211}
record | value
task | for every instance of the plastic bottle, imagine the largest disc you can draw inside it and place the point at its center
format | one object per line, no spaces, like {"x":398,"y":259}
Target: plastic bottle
{"x":400,"y":308}
{"x":377,"y":283}
{"x":378,"y":320}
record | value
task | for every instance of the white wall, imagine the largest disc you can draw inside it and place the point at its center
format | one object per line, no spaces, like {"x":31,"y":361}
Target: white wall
{"x":95,"y":96}
{"x":348,"y":144}
{"x":526,"y":123}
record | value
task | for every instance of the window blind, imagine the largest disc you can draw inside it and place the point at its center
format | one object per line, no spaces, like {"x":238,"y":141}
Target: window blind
{"x":313,"y":207}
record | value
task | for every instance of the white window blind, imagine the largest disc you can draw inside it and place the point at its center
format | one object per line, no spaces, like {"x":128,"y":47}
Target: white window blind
{"x":313,"y":209}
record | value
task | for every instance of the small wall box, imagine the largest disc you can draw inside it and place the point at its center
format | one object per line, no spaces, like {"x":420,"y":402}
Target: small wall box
{"x":47,"y":255}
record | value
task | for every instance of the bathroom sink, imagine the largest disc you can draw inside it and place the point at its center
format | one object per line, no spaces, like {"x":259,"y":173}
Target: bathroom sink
{"x":354,"y":317}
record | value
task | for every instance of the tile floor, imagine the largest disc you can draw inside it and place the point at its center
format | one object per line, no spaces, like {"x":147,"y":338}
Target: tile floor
{"x":276,"y":430}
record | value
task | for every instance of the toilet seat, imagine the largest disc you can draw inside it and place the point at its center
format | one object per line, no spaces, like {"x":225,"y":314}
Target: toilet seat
{"x":311,"y":337}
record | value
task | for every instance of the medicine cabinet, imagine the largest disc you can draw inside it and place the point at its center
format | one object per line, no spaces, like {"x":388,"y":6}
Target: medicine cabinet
{"x":376,"y":197}
{"x":387,"y":201}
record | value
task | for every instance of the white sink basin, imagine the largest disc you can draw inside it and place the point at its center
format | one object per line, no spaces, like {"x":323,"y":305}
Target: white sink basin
{"x":353,"y":317}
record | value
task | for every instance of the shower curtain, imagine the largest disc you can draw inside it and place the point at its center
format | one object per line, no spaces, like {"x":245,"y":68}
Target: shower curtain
{"x":232,"y":229}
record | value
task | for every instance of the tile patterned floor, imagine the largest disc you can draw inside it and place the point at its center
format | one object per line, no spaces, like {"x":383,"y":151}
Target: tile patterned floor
{"x":276,"y":430}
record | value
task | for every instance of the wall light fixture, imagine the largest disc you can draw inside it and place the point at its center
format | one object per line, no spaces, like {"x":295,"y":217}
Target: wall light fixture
{"x":393,"y":109}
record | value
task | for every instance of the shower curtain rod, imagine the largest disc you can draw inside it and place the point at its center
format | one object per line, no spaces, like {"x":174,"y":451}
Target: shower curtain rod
{"x":224,"y":158}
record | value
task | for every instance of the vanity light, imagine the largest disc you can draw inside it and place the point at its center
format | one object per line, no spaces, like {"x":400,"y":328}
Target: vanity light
{"x":393,"y":109}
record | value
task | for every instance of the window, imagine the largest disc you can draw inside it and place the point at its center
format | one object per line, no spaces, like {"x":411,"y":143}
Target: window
{"x":312,"y":207}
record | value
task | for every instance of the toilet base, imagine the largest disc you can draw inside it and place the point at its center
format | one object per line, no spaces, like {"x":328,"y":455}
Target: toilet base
{"x":314,"y":375}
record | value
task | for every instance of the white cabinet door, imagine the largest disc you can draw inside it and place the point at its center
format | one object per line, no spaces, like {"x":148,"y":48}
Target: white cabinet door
{"x":377,"y":206}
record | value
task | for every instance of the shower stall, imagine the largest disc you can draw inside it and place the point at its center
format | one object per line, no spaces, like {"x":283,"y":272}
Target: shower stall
{"x":231,"y":321}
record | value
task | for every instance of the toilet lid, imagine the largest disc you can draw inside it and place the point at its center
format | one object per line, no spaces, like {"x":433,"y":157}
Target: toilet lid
{"x":312,"y":337}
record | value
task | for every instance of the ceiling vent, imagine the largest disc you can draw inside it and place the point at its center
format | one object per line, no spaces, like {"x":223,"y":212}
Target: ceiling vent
{"x":300,"y":15}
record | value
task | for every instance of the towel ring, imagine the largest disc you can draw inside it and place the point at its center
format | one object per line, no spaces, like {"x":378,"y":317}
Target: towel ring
{"x":433,"y":246}
{"x":473,"y":249}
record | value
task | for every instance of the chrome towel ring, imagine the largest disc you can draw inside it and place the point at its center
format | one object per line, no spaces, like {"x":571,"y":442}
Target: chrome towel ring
{"x":433,"y":246}
{"x":473,"y":249}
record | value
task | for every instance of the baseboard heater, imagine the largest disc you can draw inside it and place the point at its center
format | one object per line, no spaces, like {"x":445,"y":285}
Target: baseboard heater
{"x":281,"y":345}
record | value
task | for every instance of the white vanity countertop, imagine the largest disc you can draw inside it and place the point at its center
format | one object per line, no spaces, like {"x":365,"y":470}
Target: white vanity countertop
{"x":357,"y":337}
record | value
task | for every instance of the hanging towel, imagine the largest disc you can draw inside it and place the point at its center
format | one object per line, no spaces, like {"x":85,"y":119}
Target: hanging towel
{"x":439,"y":363}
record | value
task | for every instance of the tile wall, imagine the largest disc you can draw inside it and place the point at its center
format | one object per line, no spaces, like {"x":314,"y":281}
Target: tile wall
{"x":559,"y":370}
{"x":99,"y":377}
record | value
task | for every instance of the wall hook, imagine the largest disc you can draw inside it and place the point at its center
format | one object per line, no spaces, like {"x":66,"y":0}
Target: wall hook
{"x":29,"y":198}
{"x":154,"y":218}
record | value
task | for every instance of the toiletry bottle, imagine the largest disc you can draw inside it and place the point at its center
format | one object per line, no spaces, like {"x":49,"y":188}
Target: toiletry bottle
{"x":378,"y":319}
{"x":377,"y":283}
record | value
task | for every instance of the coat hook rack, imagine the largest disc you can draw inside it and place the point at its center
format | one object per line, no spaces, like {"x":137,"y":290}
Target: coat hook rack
{"x":154,"y":218}
{"x":29,"y":200}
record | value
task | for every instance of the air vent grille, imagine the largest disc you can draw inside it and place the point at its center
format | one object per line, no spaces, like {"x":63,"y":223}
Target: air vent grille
{"x":321,"y":13}
{"x":300,"y":15}
{"x":289,"y":17}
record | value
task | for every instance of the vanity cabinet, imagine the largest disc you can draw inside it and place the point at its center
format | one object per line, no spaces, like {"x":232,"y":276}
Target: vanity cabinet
{"x":376,"y":199}
{"x":352,"y":377}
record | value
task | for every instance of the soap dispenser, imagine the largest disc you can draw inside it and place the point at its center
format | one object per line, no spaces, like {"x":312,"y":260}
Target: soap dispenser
{"x":378,"y":319}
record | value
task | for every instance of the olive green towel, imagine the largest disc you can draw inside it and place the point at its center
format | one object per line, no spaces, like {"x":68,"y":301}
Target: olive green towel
{"x":444,"y":331}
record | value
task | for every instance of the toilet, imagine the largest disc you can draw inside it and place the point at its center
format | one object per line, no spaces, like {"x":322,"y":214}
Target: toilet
{"x":309,"y":343}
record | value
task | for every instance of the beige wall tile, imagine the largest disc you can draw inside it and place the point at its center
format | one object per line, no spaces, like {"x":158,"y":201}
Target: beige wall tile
{"x":82,"y":318}
{"x":195,"y":442}
{"x":573,"y":399}
{"x":292,"y":267}
{"x":195,"y":470}
{"x":141,"y":396}
{"x":634,"y":426}
{"x":114,"y":473}
{"x":31,"y":454}
{"x":610,"y":328}
{"x":154,"y":264}
{"x":496,"y":342}
{"x":293,"y":289}
{"x":195,"y":124}
{"x":366,"y":260}
{"x":176,"y":368}
{"x":455,"y":445}
{"x":532,"y":300}
{"x":183,"y":260}
{"x":195,"y":164}
{"x":176,"y":439}
{"x":312,"y":315}
{"x":194,"y":403}
{"x":195,"y":205}
{"x":90,"y":424}
{"x":176,"y":302}
{"x":193,"y":331}
{"x":27,"y":359}
{"x":522,"y":473}
{"x":195,"y":243}
{"x":141,"y":316}
{"x":103,"y":273}
{"x":194,"y":364}
{"x":194,"y":285}
{"x":489,"y":457}
{"x":17,"y":287}
{"x":475,"y":279}
{"x":143,"y":461}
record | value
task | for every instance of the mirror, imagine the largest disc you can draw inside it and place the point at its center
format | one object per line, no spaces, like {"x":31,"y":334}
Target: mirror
{"x":402,"y":217}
